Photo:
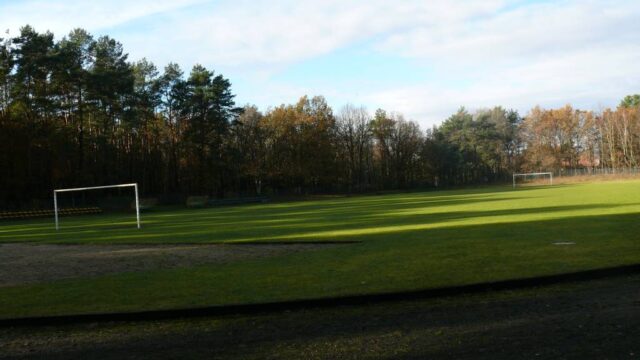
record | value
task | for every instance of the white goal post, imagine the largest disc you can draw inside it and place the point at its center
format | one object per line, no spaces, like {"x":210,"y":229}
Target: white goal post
{"x":56,"y":191}
{"x":533,"y":174}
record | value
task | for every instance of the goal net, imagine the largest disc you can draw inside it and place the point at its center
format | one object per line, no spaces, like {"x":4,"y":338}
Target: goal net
{"x":545,"y":177}
{"x":80,"y":200}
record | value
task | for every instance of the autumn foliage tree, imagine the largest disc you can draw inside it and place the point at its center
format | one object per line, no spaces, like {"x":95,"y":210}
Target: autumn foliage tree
{"x":77,"y":111}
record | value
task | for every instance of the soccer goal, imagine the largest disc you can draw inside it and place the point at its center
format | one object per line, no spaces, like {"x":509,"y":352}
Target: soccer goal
{"x":528,"y":176}
{"x":58,"y":191}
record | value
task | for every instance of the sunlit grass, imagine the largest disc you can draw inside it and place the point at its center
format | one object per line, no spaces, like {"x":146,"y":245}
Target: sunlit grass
{"x":406,"y":241}
{"x":354,"y":218}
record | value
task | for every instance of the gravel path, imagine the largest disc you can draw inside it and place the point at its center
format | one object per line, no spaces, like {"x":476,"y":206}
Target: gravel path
{"x":24,"y":263}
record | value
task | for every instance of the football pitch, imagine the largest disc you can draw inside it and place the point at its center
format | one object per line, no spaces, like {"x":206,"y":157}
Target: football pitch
{"x":396,"y":242}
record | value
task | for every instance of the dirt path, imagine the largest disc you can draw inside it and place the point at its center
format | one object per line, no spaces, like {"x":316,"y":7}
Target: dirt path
{"x":589,"y":320}
{"x":24,"y":263}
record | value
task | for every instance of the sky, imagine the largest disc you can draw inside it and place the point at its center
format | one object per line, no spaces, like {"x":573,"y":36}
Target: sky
{"x":424,"y":59}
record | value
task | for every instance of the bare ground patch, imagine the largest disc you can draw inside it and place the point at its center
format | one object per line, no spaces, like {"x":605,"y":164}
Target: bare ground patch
{"x":25,"y":264}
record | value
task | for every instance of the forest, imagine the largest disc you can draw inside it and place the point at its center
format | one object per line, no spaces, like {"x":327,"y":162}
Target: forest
{"x":78,"y":112}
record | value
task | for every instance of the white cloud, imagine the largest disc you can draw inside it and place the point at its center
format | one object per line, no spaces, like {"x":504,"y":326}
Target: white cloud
{"x":588,"y":78}
{"x":481,"y":52}
{"x":272,"y":33}
{"x":60,"y":17}
{"x":533,"y":31}
{"x":579,"y":52}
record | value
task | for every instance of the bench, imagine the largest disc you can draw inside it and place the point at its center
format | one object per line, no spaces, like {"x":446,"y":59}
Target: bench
{"x":29,"y":214}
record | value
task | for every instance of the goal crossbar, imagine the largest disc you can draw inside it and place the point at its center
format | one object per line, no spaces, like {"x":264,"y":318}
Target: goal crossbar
{"x":56,"y":191}
{"x":533,"y":174}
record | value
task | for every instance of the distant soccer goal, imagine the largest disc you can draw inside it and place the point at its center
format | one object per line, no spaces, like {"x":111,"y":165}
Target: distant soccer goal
{"x":530,"y":176}
{"x":58,"y":191}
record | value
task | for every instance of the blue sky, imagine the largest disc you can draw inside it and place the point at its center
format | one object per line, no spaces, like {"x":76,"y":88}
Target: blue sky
{"x":423,"y":59}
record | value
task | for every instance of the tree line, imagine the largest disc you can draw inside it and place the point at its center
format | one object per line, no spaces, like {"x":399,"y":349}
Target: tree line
{"x":78,"y":112}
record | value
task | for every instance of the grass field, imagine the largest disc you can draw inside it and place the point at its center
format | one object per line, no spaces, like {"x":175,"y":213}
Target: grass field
{"x":405,"y":241}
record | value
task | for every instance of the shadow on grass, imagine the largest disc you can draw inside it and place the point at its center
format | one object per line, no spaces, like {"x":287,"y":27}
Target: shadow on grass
{"x":491,"y":328}
{"x":408,"y":260}
{"x":208,"y":222}
{"x":328,"y":226}
{"x":340,"y":225}
{"x":356,"y":218}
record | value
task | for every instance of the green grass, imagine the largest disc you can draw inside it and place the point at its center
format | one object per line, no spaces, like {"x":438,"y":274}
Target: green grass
{"x":407,"y":241}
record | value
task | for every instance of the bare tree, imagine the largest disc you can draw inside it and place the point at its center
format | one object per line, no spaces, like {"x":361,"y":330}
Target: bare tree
{"x":354,"y":135}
